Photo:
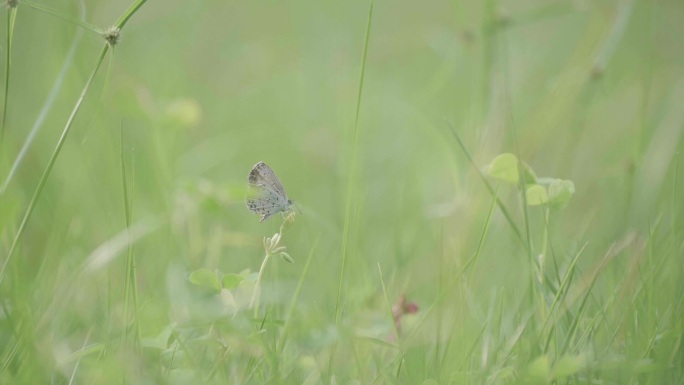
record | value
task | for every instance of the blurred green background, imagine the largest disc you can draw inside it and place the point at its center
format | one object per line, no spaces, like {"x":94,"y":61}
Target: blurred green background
{"x":197,"y":92}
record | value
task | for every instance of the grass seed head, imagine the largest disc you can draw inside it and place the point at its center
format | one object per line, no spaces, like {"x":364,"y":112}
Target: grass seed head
{"x":12,"y":3}
{"x":112,"y":35}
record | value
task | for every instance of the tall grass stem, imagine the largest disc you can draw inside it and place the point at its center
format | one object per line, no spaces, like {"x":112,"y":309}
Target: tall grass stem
{"x":11,"y":17}
{"x":60,"y":15}
{"x":51,"y":163}
{"x":49,"y":102}
{"x":352,"y":168}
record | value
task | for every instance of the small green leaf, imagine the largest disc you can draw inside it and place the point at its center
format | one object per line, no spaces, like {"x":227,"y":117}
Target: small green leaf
{"x":231,"y":281}
{"x":560,"y":192}
{"x":205,"y":278}
{"x":540,"y":369}
{"x":505,"y":167}
{"x":536,"y":195}
{"x":286,"y":257}
{"x":568,"y":365}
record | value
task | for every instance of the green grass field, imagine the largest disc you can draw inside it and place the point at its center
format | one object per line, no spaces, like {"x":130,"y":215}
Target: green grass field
{"x":514,"y":169}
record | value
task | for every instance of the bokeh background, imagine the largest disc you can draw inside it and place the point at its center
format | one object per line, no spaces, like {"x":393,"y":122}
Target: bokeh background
{"x":197,"y":92}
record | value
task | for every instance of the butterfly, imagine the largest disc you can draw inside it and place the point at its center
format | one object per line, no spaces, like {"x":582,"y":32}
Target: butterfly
{"x":266,"y":194}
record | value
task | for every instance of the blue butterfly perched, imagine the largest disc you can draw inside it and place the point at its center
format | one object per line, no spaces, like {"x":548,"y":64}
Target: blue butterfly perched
{"x":266,"y":194}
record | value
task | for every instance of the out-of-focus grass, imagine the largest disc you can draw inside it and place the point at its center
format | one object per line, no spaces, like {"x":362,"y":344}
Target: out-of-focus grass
{"x":200,"y":91}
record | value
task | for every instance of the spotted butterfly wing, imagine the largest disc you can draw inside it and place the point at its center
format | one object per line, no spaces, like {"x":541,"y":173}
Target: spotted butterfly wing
{"x":266,"y":194}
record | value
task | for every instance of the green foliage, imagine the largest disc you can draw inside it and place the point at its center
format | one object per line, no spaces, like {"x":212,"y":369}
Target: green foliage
{"x":506,"y":167}
{"x":231,"y":281}
{"x":127,"y":255}
{"x":539,"y":191}
{"x":205,"y":278}
{"x":536,"y":195}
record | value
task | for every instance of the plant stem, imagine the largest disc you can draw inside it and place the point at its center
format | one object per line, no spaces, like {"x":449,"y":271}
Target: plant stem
{"x":131,"y":274}
{"x":352,"y":170}
{"x":11,"y":16}
{"x":51,"y":163}
{"x":129,"y":12}
{"x":254,"y":303}
{"x":73,"y":20}
{"x":49,"y":102}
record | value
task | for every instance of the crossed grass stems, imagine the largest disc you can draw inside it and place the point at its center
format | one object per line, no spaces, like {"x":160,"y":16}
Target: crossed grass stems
{"x":112,"y":36}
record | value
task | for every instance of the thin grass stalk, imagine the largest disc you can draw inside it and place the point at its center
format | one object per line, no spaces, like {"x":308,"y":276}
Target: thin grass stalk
{"x":523,"y":194}
{"x":489,"y":187}
{"x":389,"y":307}
{"x":440,"y":287}
{"x":383,"y":372}
{"x":123,"y":19}
{"x":656,"y":333}
{"x":560,"y":295}
{"x":51,"y":163}
{"x":535,"y":286}
{"x":254,"y":302}
{"x":546,"y":214}
{"x":488,"y":30}
{"x":673,"y":211}
{"x":131,"y":282}
{"x":78,"y":362}
{"x":60,"y":15}
{"x":46,"y":106}
{"x":120,"y":23}
{"x":11,"y":17}
{"x":576,"y":321}
{"x":399,"y":367}
{"x":295,"y":297}
{"x":352,"y":169}
{"x":350,"y":184}
{"x":105,"y":86}
{"x":483,"y":235}
{"x":9,"y":357}
{"x":477,"y":341}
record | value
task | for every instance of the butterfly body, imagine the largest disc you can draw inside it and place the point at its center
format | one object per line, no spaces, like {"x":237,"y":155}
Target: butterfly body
{"x":267,"y":195}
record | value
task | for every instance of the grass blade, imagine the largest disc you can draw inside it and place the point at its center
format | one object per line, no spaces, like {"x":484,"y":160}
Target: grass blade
{"x":562,"y":292}
{"x":73,"y":20}
{"x":129,"y":12}
{"x":131,"y":282}
{"x":473,"y":260}
{"x":389,"y":307}
{"x":499,"y":203}
{"x":46,"y":106}
{"x":352,"y":170}
{"x":11,"y":17}
{"x":295,"y":297}
{"x":51,"y":163}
